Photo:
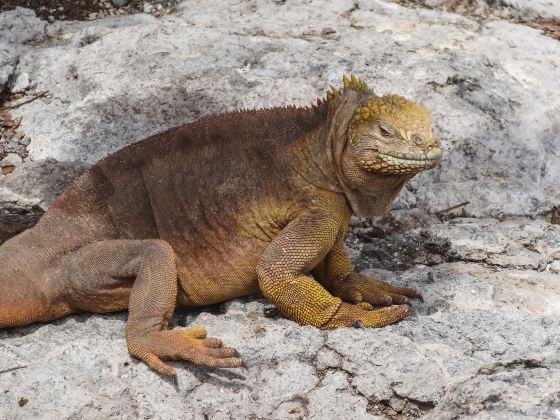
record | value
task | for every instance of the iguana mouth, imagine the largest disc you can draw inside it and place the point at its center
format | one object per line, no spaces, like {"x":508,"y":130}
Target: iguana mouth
{"x":432,"y":156}
{"x":410,"y":161}
{"x":402,"y":163}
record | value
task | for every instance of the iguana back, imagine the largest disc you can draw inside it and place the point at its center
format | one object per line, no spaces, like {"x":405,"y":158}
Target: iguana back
{"x":203,"y":172}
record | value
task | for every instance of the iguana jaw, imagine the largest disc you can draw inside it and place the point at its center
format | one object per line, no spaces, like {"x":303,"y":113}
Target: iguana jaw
{"x":389,"y":162}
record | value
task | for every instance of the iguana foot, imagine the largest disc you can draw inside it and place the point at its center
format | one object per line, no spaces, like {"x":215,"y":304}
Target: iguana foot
{"x":188,"y":344}
{"x":363,"y":315}
{"x":359,"y":288}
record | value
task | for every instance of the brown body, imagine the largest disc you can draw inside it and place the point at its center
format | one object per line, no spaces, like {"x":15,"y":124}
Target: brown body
{"x":201,"y":214}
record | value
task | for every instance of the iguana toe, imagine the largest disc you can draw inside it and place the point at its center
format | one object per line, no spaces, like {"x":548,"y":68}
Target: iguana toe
{"x":373,"y":291}
{"x":385,"y":316}
{"x":405,"y":292}
{"x":356,"y":316}
{"x":197,"y":332}
{"x":399,"y":295}
{"x":190,"y":344}
{"x":365,"y":306}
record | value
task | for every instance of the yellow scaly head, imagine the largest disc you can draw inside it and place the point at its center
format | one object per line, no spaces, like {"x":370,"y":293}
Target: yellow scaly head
{"x":393,"y":135}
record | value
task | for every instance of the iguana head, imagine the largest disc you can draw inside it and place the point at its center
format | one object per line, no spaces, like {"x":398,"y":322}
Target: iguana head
{"x":386,"y":141}
{"x":392,"y":135}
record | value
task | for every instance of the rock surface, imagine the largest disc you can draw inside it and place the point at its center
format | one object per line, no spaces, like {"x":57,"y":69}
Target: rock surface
{"x":114,"y":81}
{"x":536,"y":8}
{"x":485,"y":343}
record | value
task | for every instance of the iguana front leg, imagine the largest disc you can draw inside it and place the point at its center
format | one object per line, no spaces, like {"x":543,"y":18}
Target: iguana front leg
{"x":336,"y":275}
{"x":284,"y":280}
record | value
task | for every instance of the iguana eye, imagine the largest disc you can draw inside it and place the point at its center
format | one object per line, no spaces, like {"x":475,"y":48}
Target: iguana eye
{"x":385,"y":131}
{"x":417,"y":139}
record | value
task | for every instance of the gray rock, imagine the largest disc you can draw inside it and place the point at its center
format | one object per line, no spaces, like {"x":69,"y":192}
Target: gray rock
{"x":509,"y":244}
{"x":536,"y":8}
{"x":397,"y":404}
{"x":327,"y":358}
{"x":120,"y":3}
{"x":335,"y":388}
{"x":8,"y":63}
{"x":11,"y":159}
{"x":34,"y":184}
{"x":434,"y":3}
{"x":25,"y":141}
{"x":20,"y":84}
{"x":20,"y":26}
{"x":555,"y":267}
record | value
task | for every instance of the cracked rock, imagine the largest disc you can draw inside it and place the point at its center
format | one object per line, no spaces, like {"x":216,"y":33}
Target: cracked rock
{"x":536,"y":8}
{"x":555,"y":267}
{"x":8,"y":64}
{"x":336,"y":387}
{"x":327,"y":358}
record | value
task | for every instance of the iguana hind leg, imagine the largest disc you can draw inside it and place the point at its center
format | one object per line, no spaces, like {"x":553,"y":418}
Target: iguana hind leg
{"x":109,"y":276}
{"x":22,"y":302}
{"x":99,"y":276}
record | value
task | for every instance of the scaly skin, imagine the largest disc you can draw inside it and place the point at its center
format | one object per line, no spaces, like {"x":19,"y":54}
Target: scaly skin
{"x":217,"y":209}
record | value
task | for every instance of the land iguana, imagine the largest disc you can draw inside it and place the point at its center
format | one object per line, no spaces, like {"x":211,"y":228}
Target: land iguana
{"x":220,"y":208}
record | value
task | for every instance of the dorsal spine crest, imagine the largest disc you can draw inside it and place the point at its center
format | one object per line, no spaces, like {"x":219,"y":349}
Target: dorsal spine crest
{"x":352,"y":83}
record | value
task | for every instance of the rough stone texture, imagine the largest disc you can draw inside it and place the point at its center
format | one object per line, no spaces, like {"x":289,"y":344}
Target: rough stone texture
{"x":485,"y":343}
{"x":536,"y":8}
{"x":8,"y":62}
{"x":117,"y":80}
{"x":20,"y":84}
{"x":20,"y":26}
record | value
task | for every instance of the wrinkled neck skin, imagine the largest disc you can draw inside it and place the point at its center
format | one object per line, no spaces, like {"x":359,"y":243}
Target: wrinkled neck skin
{"x":327,"y":166}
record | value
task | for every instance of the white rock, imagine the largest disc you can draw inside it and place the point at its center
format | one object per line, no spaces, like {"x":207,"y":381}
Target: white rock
{"x":19,"y":26}
{"x":120,"y":3}
{"x":8,"y":63}
{"x":21,"y":83}
{"x":11,"y":159}
{"x":536,"y":8}
{"x":457,"y":358}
